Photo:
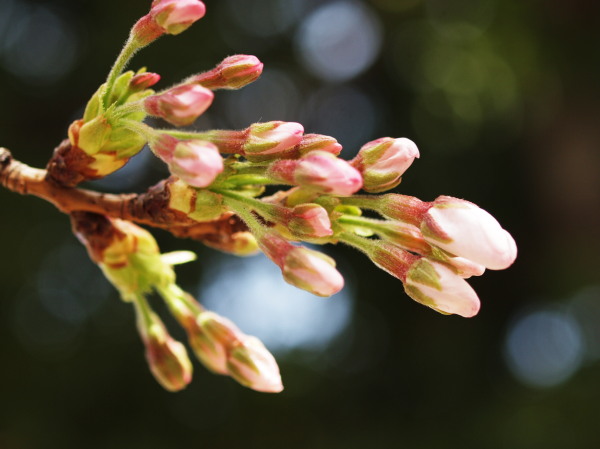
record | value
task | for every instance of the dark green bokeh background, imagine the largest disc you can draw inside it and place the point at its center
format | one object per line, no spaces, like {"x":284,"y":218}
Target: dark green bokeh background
{"x":502,"y":98}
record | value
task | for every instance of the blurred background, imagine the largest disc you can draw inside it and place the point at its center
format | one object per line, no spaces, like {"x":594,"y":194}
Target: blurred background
{"x":503,"y":100}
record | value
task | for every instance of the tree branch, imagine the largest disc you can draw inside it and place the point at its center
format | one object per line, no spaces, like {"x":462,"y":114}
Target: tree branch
{"x":150,"y":208}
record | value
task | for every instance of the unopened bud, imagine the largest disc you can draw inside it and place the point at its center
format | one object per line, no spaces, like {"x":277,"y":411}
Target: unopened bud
{"x":435,"y":285}
{"x":233,"y":72}
{"x":143,"y":81}
{"x":167,"y":358}
{"x":253,"y":366}
{"x":465,"y":230}
{"x":314,"y":142}
{"x":309,"y":220}
{"x":196,"y":162}
{"x":176,"y":16}
{"x":272,"y":138}
{"x":321,"y":171}
{"x":302,"y":267}
{"x":215,"y":336}
{"x":382,"y":162}
{"x":180,"y":105}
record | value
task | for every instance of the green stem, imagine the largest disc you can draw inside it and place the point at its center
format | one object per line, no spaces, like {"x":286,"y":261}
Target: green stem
{"x":363,"y":201}
{"x":229,"y":142}
{"x":147,"y":132}
{"x":144,"y":313}
{"x":362,"y":244}
{"x":241,"y":204}
{"x":129,"y":49}
{"x":353,"y":220}
{"x":128,"y":108}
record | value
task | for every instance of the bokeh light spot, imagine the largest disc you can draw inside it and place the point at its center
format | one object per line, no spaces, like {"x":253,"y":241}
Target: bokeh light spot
{"x":43,"y":45}
{"x":544,"y":348}
{"x":339,"y":40}
{"x":261,"y":303}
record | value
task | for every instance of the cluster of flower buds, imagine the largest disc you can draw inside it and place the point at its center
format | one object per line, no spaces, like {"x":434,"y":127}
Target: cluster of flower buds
{"x":129,"y":257}
{"x":432,"y":247}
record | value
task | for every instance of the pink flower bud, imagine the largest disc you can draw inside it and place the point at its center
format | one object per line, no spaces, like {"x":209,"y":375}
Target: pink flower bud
{"x":313,"y":142}
{"x":176,"y":16}
{"x":309,"y":220}
{"x":253,"y":366}
{"x":319,"y":170}
{"x":233,"y":72}
{"x":465,"y":230}
{"x":272,"y":137}
{"x":180,"y":105}
{"x":196,"y":162}
{"x":143,"y":81}
{"x":303,"y":268}
{"x":167,"y":358}
{"x":312,"y":271}
{"x":382,"y":162}
{"x":212,"y":340}
{"x":464,"y":267}
{"x":435,"y":285}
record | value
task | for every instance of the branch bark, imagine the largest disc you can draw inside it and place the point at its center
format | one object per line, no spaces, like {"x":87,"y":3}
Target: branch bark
{"x":150,"y":208}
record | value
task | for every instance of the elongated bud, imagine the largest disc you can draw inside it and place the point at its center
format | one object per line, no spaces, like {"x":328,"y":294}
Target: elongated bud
{"x":309,"y":220}
{"x":405,"y":235}
{"x":321,"y":171}
{"x":167,"y":358}
{"x":143,"y":81}
{"x":233,"y":72}
{"x":196,"y":162}
{"x":435,"y":285}
{"x":180,"y":105}
{"x":465,"y":268}
{"x":382,"y":162}
{"x":212,"y":343}
{"x":253,"y":366}
{"x":176,"y":16}
{"x":303,"y":268}
{"x":272,"y":138}
{"x":401,"y":207}
{"x":314,"y":142}
{"x":465,"y":230}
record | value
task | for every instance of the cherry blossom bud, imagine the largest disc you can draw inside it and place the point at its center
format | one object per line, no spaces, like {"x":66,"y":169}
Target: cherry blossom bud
{"x":312,"y":271}
{"x":212,"y":340}
{"x":435,"y":285}
{"x":465,"y":230}
{"x":272,"y":138}
{"x":313,"y":142}
{"x":302,"y":267}
{"x":382,"y":162}
{"x":167,"y":358}
{"x":196,"y":162}
{"x":464,"y":267}
{"x":180,"y":105}
{"x":143,"y":81}
{"x":253,"y":366}
{"x":309,"y":220}
{"x":233,"y":72}
{"x":321,"y":171}
{"x":176,"y":16}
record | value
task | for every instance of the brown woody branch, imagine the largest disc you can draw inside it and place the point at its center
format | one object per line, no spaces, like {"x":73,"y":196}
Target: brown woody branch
{"x":150,"y":208}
